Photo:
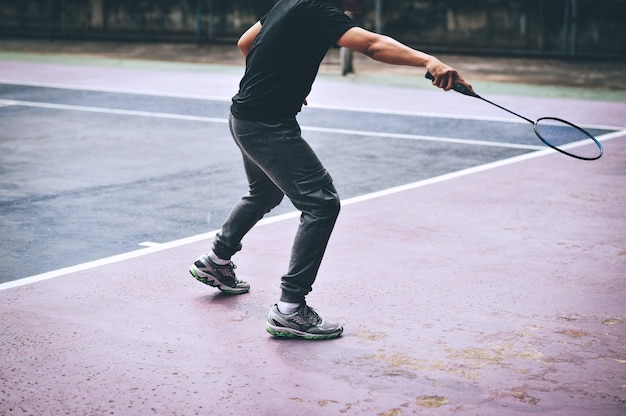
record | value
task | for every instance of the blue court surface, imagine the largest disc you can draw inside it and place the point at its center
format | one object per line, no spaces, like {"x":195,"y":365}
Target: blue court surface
{"x":476,"y":272}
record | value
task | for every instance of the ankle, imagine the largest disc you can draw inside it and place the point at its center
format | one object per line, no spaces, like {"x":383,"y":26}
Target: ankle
{"x":217,"y":260}
{"x":287,"y":308}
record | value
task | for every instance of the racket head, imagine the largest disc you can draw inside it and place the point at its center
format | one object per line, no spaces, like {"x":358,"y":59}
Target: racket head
{"x":568,"y":138}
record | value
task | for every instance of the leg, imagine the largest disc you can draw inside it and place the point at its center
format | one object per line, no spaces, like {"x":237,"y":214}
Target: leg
{"x":279,"y":150}
{"x":320,"y":209}
{"x":262,"y":197}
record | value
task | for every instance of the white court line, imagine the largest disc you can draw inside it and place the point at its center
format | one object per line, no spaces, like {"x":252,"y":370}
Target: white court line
{"x":149,"y":244}
{"x":105,"y":110}
{"x":270,"y":220}
{"x":111,"y":90}
{"x":425,"y":138}
{"x":507,"y":119}
{"x":153,"y":248}
{"x":209,"y":235}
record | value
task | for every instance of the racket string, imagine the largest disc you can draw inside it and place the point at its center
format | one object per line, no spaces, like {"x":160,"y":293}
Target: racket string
{"x":567,"y":138}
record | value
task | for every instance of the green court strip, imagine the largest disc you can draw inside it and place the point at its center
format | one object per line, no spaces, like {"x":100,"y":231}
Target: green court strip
{"x":486,"y":88}
{"x":123,"y":63}
{"x":386,"y":79}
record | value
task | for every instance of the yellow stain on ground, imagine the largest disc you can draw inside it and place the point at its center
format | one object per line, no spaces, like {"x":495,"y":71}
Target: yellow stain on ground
{"x":371,"y":336}
{"x":391,"y":412}
{"x":432,"y":401}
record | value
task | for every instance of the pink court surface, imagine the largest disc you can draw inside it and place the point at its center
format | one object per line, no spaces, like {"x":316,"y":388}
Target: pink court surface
{"x":496,"y":290}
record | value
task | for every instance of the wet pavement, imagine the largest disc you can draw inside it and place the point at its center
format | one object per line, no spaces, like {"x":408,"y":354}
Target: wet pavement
{"x":493,"y":290}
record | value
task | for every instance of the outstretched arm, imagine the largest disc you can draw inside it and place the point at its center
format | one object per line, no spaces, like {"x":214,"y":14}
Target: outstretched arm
{"x":390,"y":51}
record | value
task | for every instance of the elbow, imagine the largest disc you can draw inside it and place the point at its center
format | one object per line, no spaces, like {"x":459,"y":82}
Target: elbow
{"x":246,"y":40}
{"x":243,"y":47}
{"x":245,"y":50}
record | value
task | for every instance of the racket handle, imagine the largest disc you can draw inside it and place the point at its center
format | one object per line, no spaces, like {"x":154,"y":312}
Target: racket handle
{"x":455,"y":86}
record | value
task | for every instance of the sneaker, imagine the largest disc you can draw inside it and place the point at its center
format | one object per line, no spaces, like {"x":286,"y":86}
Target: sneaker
{"x":221,"y":277}
{"x":303,"y":323}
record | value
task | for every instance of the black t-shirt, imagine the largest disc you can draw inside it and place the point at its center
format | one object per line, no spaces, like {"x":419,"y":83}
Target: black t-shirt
{"x":285,"y":57}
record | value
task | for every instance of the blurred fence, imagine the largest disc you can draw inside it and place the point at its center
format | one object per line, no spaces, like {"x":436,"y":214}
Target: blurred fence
{"x":568,"y":28}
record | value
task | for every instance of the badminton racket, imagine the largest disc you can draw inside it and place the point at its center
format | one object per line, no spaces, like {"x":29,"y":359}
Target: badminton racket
{"x":559,"y":134}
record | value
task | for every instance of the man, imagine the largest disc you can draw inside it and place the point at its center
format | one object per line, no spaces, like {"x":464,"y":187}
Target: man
{"x":283,"y":52}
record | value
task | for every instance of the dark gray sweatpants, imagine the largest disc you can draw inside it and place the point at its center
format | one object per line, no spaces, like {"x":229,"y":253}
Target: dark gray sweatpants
{"x":278,"y":162}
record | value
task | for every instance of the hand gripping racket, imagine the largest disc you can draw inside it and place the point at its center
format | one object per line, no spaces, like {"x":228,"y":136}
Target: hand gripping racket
{"x":559,"y":134}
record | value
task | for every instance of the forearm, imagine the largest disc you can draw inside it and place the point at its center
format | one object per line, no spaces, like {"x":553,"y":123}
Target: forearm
{"x":388,"y":50}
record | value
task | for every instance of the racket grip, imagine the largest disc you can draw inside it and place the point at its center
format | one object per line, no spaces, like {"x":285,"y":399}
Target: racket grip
{"x":455,"y":86}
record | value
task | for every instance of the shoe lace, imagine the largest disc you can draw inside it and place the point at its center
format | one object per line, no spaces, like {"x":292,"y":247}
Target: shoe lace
{"x":237,"y":281}
{"x":309,"y":315}
{"x":229,"y":270}
{"x":231,"y":273}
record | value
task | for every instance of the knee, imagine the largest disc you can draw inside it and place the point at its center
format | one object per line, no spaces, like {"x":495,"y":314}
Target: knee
{"x":265,"y":200}
{"x":274,"y":201}
{"x":317,"y":195}
{"x":327,"y":203}
{"x":335,"y":204}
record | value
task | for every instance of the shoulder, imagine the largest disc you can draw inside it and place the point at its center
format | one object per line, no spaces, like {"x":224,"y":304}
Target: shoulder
{"x":326,"y":7}
{"x":308,"y":9}
{"x":321,"y":17}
